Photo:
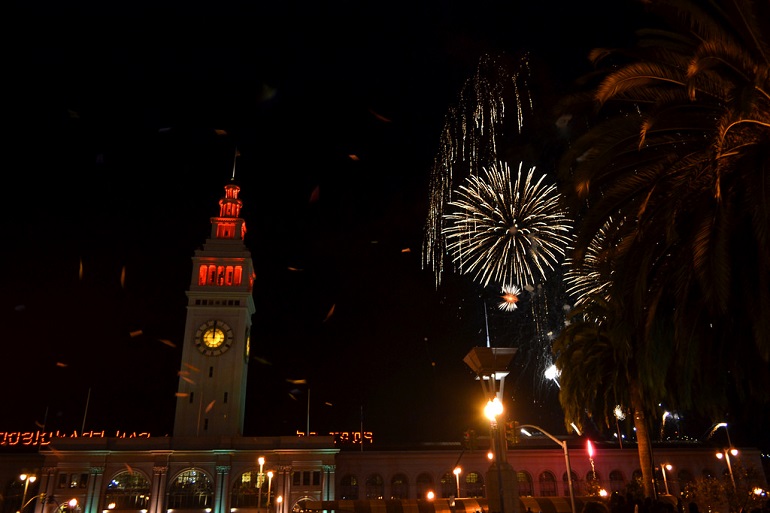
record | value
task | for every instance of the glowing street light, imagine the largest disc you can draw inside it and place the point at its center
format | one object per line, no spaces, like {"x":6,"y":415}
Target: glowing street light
{"x":27,"y":479}
{"x":727,"y":453}
{"x":269,"y":485}
{"x":278,"y":501}
{"x":260,"y":481}
{"x":430,"y":495}
{"x":663,"y":469}
{"x":456,"y":472}
{"x":491,"y":367}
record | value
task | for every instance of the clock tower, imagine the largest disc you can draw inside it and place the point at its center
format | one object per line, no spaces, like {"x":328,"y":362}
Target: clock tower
{"x":211,"y":398}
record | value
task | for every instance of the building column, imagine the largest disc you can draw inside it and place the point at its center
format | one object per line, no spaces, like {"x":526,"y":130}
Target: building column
{"x":327,"y":493}
{"x":285,"y":487}
{"x":47,"y":486}
{"x":158,"y":489}
{"x":94,"y":491}
{"x":221,"y":497}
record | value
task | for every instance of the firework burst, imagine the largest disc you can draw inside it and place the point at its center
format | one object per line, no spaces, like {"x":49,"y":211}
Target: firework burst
{"x":495,"y":100}
{"x":510,"y":296}
{"x":506,"y":231}
{"x":591,"y":276}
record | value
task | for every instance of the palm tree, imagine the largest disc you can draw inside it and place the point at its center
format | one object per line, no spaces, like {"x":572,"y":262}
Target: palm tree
{"x":595,"y":354}
{"x":679,"y":151}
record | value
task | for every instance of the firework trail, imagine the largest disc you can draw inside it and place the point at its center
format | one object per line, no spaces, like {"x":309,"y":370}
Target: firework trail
{"x":469,"y":141}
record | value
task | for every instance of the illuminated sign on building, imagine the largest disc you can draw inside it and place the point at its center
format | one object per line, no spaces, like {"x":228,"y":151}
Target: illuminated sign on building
{"x":43,"y":438}
{"x":346,"y":437}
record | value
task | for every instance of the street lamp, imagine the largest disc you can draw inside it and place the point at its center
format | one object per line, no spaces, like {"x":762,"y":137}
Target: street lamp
{"x":27,"y":479}
{"x":727,"y":454}
{"x":457,"y":471}
{"x":663,"y":468}
{"x":490,"y":365}
{"x":563,"y":444}
{"x":278,"y":501}
{"x":260,"y":481}
{"x":269,"y":485}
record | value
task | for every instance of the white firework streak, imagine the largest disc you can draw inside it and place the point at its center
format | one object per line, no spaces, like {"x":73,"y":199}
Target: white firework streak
{"x":504,"y":231}
{"x":592,"y":277}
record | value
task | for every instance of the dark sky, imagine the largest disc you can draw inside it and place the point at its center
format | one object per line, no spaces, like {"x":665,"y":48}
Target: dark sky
{"x":114,"y":161}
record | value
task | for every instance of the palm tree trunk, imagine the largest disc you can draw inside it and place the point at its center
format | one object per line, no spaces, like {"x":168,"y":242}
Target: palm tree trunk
{"x":643,"y":443}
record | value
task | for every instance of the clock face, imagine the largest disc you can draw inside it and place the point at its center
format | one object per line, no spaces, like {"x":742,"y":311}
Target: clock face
{"x":213,"y":337}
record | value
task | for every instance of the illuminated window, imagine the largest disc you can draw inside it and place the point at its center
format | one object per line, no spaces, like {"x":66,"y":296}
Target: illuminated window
{"x":547,"y":484}
{"x":212,"y":274}
{"x":238,"y":275}
{"x":349,"y":487}
{"x":474,"y":485}
{"x":525,"y":483}
{"x":448,"y":485}
{"x":202,"y":275}
{"x":399,"y":487}
{"x":128,"y":490}
{"x":375,"y":487}
{"x":192,"y":489}
{"x":245,"y":492}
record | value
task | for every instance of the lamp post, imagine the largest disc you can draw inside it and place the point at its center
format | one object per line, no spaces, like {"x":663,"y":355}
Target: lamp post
{"x":27,"y":479}
{"x":269,"y":486}
{"x":278,"y":501}
{"x":490,"y":365}
{"x":260,"y":481}
{"x":727,"y":453}
{"x":563,"y":444}
{"x":456,"y":472}
{"x":663,"y":468}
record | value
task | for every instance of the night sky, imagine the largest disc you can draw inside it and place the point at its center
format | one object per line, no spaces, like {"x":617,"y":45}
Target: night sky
{"x":124,"y":127}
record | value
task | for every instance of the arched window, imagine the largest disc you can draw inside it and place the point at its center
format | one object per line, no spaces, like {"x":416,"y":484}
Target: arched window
{"x":301,"y":505}
{"x":399,"y":487}
{"x":375,"y":488}
{"x":547,"y":484}
{"x":474,"y":485}
{"x":423,"y":485}
{"x":685,"y":477}
{"x":127,"y":490}
{"x":525,"y":483}
{"x":248,"y":492}
{"x":617,"y":483}
{"x":349,"y":487}
{"x":575,"y":483}
{"x":593,"y":476}
{"x":448,"y":485}
{"x":191,"y":489}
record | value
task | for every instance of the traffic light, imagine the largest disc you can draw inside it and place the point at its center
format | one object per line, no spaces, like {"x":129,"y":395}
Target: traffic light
{"x":512,"y":431}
